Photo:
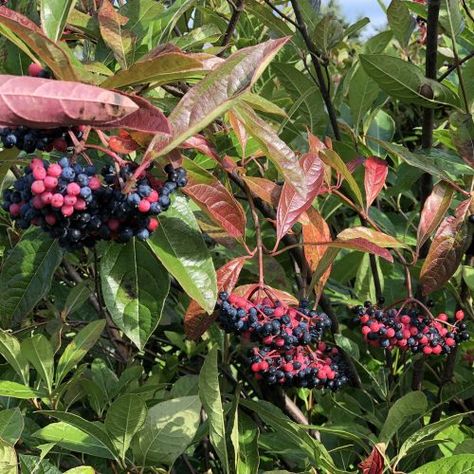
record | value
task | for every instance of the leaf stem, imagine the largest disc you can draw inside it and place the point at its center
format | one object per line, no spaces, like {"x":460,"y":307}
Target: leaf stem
{"x":238,"y":8}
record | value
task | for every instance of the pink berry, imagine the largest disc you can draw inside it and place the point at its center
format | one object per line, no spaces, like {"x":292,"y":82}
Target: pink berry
{"x":443,"y":317}
{"x":34,"y":70}
{"x":50,"y":182}
{"x":36,"y":162}
{"x":113,"y":224}
{"x":153,"y":224}
{"x":365,"y":330}
{"x":264,"y":365}
{"x":153,"y":197}
{"x":73,"y":189}
{"x":37,"y":202}
{"x":94,"y":183}
{"x":390,"y":332}
{"x":46,"y":197}
{"x":38,"y":187}
{"x":54,"y":170}
{"x":14,"y":209}
{"x":50,"y":219}
{"x":80,"y":205}
{"x":405,"y":319}
{"x":144,"y":206}
{"x":70,"y":200}
{"x":427,"y":350}
{"x":255,"y":367}
{"x":288,"y":367}
{"x":57,"y":200}
{"x":39,"y":172}
{"x":67,"y":210}
{"x":450,"y":341}
{"x":459,"y":315}
{"x":437,"y":350}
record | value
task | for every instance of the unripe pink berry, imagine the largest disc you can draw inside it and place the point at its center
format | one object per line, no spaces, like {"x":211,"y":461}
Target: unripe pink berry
{"x":37,"y":187}
{"x":450,"y":341}
{"x":427,"y":350}
{"x":57,"y":200}
{"x":37,"y":202}
{"x":50,"y":219}
{"x":405,"y":319}
{"x":14,"y":209}
{"x":459,"y":315}
{"x":94,"y":183}
{"x":437,"y":350}
{"x":46,"y":197}
{"x":153,"y":197}
{"x":39,"y":172}
{"x":144,"y":206}
{"x":255,"y":367}
{"x":67,"y":210}
{"x":34,"y":69}
{"x":54,"y":170}
{"x":80,"y":205}
{"x":443,"y":317}
{"x":70,"y":200}
{"x":50,"y":182}
{"x":264,"y":365}
{"x":73,"y":189}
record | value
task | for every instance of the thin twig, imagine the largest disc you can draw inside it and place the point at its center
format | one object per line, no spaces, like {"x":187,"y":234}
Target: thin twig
{"x":453,"y":67}
{"x":238,"y":8}
{"x":315,"y":57}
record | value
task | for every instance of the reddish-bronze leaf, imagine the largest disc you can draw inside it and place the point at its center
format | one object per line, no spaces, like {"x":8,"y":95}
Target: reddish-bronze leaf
{"x":266,"y":190}
{"x":146,"y":119}
{"x":239,"y":131}
{"x":373,"y":464}
{"x":215,"y":200}
{"x":316,"y":230}
{"x":45,"y":103}
{"x":462,"y":133}
{"x":446,"y":251}
{"x":196,"y":320}
{"x":123,"y":145}
{"x":434,"y":209}
{"x":50,"y":53}
{"x":292,"y":204}
{"x":376,"y":171}
{"x":199,"y":143}
{"x":374,"y":236}
{"x":111,"y":29}
{"x":363,"y":245}
{"x":253,"y":289}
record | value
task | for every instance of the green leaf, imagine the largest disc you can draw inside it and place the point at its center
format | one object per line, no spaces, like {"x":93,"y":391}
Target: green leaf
{"x":8,"y":461}
{"x":328,"y":33}
{"x":167,"y":67}
{"x":26,"y":274}
{"x":124,"y":419}
{"x":81,"y":470}
{"x":11,"y":425}
{"x":348,"y":345}
{"x":36,"y":465}
{"x":69,"y":437}
{"x":54,"y":14}
{"x":95,"y":430}
{"x":362,"y":93}
{"x":210,"y":394}
{"x":10,"y":349}
{"x":179,"y":245}
{"x":39,"y":352}
{"x":401,"y":22}
{"x":451,"y":17}
{"x":439,"y":163}
{"x":82,"y":343}
{"x":411,"y":404}
{"x":428,"y":430}
{"x":17,"y":390}
{"x":332,"y":159}
{"x":378,"y":43}
{"x":169,"y":428}
{"x":405,"y":81}
{"x":380,"y":126}
{"x":76,"y":297}
{"x":457,"y":464}
{"x":249,"y":459}
{"x":135,"y":286}
{"x":216,"y":93}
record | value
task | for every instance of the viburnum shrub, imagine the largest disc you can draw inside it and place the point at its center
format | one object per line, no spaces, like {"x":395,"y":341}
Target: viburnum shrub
{"x":236,"y":237}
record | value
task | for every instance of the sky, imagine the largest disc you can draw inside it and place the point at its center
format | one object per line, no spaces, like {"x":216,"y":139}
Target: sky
{"x":355,"y":9}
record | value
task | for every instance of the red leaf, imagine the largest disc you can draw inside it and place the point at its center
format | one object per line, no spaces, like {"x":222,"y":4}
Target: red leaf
{"x":446,"y":250}
{"x":376,"y":171}
{"x":214,"y":199}
{"x":196,"y":320}
{"x":355,"y":163}
{"x":146,"y":119}
{"x":49,"y":52}
{"x":283,"y":296}
{"x":123,"y":145}
{"x":316,"y":230}
{"x":434,"y":209}
{"x":374,"y":464}
{"x":291,"y":204}
{"x":45,"y":103}
{"x":373,"y":236}
{"x":362,"y":245}
{"x":239,"y":131}
{"x":263,"y":188}
{"x":199,"y":143}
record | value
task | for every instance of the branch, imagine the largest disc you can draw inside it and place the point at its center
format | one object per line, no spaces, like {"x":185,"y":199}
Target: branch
{"x":453,"y":67}
{"x":317,"y":67}
{"x":238,"y":8}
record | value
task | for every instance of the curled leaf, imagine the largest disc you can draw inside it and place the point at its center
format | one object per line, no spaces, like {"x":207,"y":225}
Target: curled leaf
{"x":196,"y":320}
{"x":434,"y":209}
{"x":266,"y":190}
{"x":45,"y":103}
{"x":376,"y":171}
{"x":375,"y":237}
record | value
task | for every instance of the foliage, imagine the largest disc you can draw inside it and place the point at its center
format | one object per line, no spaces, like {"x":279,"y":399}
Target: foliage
{"x":321,"y":164}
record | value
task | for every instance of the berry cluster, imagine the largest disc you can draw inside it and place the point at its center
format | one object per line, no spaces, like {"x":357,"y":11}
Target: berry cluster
{"x":31,"y":139}
{"x":301,"y":366}
{"x":272,"y":323}
{"x":283,"y":334}
{"x":79,"y":207}
{"x":410,"y":330}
